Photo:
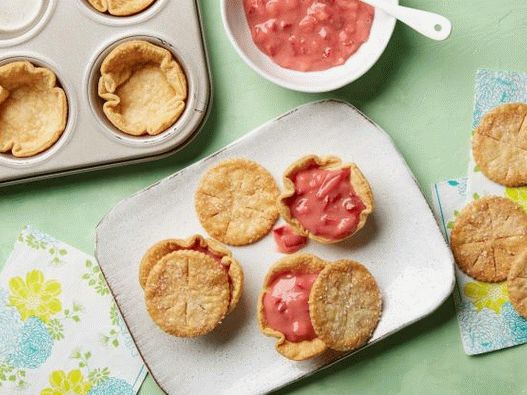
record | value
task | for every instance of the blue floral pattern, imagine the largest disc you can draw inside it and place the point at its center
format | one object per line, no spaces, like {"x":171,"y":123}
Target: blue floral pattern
{"x":483,"y":331}
{"x":517,"y":324}
{"x":496,"y":87}
{"x":112,"y":386}
{"x":10,"y":325}
{"x":34,"y":345}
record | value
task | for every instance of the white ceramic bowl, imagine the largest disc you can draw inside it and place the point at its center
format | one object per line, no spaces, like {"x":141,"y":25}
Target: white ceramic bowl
{"x":237,"y":28}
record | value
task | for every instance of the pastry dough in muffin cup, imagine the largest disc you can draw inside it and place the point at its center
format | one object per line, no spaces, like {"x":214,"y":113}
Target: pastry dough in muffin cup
{"x":121,"y":7}
{"x":144,"y":88}
{"x":33,"y":109}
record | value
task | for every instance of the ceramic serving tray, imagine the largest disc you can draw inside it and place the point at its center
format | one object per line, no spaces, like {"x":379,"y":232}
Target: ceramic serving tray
{"x":401,"y":245}
{"x":72,"y":38}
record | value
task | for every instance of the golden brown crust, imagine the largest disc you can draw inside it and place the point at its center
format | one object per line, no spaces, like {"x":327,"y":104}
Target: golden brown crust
{"x":297,"y":351}
{"x":144,"y":88}
{"x":121,"y":7}
{"x":164,"y":247}
{"x":358,"y":182}
{"x":499,"y":145}
{"x":487,"y":236}
{"x":517,"y":284}
{"x":236,"y":202}
{"x":187,"y":293}
{"x":345,"y":305}
{"x":33,"y":109}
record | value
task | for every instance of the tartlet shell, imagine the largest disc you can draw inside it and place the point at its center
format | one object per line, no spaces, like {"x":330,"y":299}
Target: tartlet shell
{"x":296,"y":351}
{"x":358,"y":182}
{"x":117,"y":70}
{"x":50,"y":121}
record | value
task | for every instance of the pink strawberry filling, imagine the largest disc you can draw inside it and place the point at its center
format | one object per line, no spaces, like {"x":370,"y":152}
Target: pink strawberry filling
{"x":287,"y":241}
{"x":325,"y":203}
{"x":286,"y":307}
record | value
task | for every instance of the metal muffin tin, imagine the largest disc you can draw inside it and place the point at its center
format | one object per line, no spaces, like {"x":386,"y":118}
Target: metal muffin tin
{"x":71,"y":38}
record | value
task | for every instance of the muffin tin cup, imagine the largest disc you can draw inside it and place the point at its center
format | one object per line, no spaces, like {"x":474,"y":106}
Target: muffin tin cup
{"x":96,"y":102}
{"x":8,"y":39}
{"x":12,"y":161}
{"x":120,"y":21}
{"x":90,"y":141}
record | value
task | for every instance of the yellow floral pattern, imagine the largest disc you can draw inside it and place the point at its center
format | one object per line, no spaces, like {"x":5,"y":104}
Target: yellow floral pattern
{"x":486,"y":295}
{"x":518,"y":195}
{"x":61,"y":383}
{"x":35,"y":297}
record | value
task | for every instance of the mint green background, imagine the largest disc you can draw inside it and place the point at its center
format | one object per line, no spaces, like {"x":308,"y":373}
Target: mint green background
{"x":420,"y":92}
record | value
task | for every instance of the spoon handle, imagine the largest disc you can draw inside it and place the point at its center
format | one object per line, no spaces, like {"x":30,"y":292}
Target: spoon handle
{"x":429,"y":24}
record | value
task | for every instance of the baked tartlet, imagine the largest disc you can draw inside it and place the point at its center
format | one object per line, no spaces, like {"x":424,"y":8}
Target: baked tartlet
{"x":187,"y":293}
{"x":488,"y":235}
{"x":121,"y":7}
{"x":236,"y":201}
{"x":198,"y":243}
{"x":33,"y":109}
{"x":190,"y":284}
{"x":310,"y":305}
{"x":295,"y":341}
{"x":144,"y":88}
{"x":324,"y":199}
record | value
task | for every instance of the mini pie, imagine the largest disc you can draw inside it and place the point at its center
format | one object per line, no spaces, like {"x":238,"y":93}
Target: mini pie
{"x":311,"y":345}
{"x":196,"y":243}
{"x":33,"y":109}
{"x":144,"y":88}
{"x":120,"y":7}
{"x":310,"y":305}
{"x":499,"y":144}
{"x":517,"y":285}
{"x":488,"y":235}
{"x":324,"y":199}
{"x":236,"y":202}
{"x":187,"y":293}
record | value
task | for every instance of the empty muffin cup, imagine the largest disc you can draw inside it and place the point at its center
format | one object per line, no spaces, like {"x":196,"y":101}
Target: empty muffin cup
{"x":22,"y":19}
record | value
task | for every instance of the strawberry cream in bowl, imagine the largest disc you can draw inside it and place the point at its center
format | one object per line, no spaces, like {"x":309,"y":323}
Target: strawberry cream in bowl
{"x":308,"y":45}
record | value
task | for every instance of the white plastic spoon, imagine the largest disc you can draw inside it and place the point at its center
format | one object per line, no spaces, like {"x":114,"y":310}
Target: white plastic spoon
{"x":429,"y":24}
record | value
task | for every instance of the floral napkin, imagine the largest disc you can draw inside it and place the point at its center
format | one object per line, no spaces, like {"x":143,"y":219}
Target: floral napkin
{"x":60,"y":330}
{"x":487,"y":320}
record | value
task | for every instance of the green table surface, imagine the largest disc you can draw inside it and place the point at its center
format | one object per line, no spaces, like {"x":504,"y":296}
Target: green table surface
{"x":420,"y":92}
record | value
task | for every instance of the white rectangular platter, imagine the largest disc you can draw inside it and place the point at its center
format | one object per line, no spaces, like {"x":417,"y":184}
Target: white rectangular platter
{"x":401,"y":245}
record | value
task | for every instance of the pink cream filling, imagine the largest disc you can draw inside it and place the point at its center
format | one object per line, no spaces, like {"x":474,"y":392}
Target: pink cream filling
{"x":309,"y":35}
{"x":287,"y":241}
{"x":286,"y":307}
{"x":325,"y":203}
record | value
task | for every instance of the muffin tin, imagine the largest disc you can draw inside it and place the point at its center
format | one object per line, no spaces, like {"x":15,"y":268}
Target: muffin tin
{"x":71,"y":38}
